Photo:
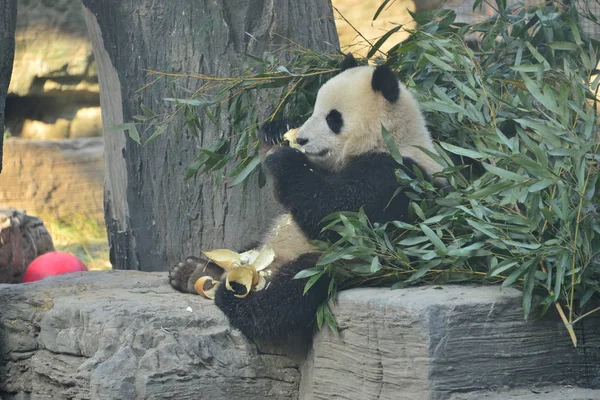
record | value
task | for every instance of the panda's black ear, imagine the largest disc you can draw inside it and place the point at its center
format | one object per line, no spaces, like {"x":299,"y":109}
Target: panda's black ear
{"x":384,"y":80}
{"x":349,"y":62}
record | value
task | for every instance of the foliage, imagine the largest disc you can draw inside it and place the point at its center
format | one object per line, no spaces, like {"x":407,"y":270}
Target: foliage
{"x":292,"y":90}
{"x":516,"y":121}
{"x":521,"y":107}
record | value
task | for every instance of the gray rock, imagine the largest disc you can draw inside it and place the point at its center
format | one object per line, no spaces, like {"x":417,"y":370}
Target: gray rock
{"x":546,"y":393}
{"x":431,"y":343}
{"x":128,"y":335}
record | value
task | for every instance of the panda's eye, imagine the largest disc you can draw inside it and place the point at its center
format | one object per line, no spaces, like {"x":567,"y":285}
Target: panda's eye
{"x":335,"y":121}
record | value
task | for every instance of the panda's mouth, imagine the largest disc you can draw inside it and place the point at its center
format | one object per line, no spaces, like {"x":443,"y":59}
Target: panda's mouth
{"x":321,"y":153}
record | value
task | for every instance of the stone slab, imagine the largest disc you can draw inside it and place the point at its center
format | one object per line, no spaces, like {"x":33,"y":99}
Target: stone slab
{"x":128,"y":335}
{"x":546,"y":393}
{"x":435,"y":342}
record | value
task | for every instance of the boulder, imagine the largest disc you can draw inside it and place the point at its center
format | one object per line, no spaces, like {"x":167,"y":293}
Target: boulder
{"x":22,"y":238}
{"x":435,"y":342}
{"x":128,"y":335}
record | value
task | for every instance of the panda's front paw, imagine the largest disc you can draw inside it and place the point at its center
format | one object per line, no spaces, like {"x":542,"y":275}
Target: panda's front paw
{"x":285,"y":160}
{"x":272,"y":132}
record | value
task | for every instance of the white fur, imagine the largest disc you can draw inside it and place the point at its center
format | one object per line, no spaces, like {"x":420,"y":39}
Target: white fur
{"x":363,"y":111}
{"x":286,"y":239}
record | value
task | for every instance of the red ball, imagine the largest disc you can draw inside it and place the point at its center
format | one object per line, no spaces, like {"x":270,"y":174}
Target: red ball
{"x":53,"y":263}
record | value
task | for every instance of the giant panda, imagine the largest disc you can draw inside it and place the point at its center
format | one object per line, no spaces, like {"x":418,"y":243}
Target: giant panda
{"x":344,"y":165}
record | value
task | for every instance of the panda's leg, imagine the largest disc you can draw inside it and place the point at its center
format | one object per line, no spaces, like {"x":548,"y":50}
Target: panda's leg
{"x":184,"y":274}
{"x":280,"y":310}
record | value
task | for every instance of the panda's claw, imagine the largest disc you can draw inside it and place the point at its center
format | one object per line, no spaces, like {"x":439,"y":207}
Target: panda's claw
{"x":271,"y":133}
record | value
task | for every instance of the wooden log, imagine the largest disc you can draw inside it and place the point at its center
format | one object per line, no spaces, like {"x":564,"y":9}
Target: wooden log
{"x":22,"y":238}
{"x":8,"y":20}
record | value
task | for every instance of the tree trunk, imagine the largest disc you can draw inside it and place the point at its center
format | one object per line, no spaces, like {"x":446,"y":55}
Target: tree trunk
{"x":154,"y":216}
{"x":8,"y":20}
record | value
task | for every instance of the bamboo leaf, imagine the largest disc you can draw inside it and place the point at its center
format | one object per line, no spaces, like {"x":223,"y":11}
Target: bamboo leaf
{"x":251,"y":166}
{"x":437,"y":242}
{"x":391,"y":145}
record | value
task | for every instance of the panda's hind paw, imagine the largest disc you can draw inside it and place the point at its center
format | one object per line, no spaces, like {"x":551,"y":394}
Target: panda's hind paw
{"x":184,"y":274}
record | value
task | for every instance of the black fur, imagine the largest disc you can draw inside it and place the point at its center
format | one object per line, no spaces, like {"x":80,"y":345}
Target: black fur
{"x":334,"y":121}
{"x":384,"y":80}
{"x":311,"y":193}
{"x":272,"y":132}
{"x":280,"y":310}
{"x":349,"y":62}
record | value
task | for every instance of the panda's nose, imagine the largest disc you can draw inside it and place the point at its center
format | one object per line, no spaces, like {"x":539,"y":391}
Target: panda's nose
{"x":301,"y":141}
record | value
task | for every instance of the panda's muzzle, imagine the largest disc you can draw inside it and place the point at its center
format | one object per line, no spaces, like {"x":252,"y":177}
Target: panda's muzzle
{"x":321,"y":153}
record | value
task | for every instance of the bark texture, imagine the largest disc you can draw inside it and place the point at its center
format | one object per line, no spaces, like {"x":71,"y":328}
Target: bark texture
{"x":22,"y":239}
{"x":8,"y":19}
{"x":154,"y":216}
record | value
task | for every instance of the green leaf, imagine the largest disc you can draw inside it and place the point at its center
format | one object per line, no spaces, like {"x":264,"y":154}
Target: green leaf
{"x":528,"y":291}
{"x":439,"y":63}
{"x":473,"y":250}
{"x":413,"y":240}
{"x":382,"y":40}
{"x":159,"y":131}
{"x":320,"y":315}
{"x":375,"y":265}
{"x":418,"y":274}
{"x":540,"y":185}
{"x":191,"y":102}
{"x":486,"y":230}
{"x":130,"y":128}
{"x":437,"y":242}
{"x":330,"y":320}
{"x":461,"y":152}
{"x":503,"y":266}
{"x":333,"y":255}
{"x":380,"y":8}
{"x":561,"y":267}
{"x":518,"y":273}
{"x":251,"y":166}
{"x":313,"y":279}
{"x":504,"y":173}
{"x":391,"y":145}
{"x":305,"y":273}
{"x":563,"y":46}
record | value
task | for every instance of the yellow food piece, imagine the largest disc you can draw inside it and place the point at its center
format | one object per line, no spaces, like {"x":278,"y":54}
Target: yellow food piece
{"x":264,"y":259}
{"x":290,"y":136}
{"x":245,"y":275}
{"x":199,"y":287}
{"x":241,"y":268}
{"x":224,"y":258}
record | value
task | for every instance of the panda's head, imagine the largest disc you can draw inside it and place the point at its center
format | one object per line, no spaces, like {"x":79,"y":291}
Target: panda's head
{"x":348,"y":114}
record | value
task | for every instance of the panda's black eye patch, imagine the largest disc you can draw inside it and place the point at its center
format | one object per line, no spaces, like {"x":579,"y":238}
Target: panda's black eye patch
{"x":335,"y":121}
